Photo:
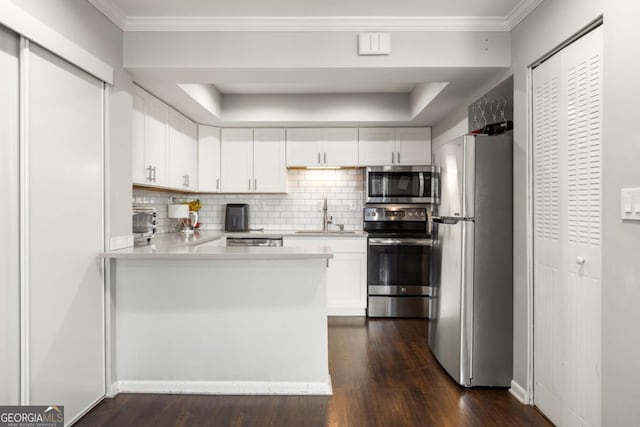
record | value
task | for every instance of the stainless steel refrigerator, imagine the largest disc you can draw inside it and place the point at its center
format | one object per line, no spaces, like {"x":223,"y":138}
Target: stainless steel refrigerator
{"x":471,"y":313}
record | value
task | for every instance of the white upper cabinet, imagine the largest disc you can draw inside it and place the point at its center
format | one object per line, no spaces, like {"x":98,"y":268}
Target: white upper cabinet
{"x":269,"y":168}
{"x":177,"y":148}
{"x":322,"y":147}
{"x":191,"y":132}
{"x":253,"y":161}
{"x":164,"y":145}
{"x":208,"y":159}
{"x":156,"y":139}
{"x":413,"y":146}
{"x":340,"y":146}
{"x":377,"y":147}
{"x":237,"y":160}
{"x":182,"y":152}
{"x":304,"y":147}
{"x":141,"y":175}
{"x":399,"y":146}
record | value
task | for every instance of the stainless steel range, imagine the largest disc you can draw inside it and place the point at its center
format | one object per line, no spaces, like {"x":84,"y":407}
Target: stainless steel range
{"x":398,"y":260}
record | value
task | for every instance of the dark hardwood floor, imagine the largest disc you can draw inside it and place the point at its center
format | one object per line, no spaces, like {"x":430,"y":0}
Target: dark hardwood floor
{"x":383,"y":375}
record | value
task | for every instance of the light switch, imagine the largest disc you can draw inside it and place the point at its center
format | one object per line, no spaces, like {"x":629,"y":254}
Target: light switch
{"x":374,"y":44}
{"x":630,"y":204}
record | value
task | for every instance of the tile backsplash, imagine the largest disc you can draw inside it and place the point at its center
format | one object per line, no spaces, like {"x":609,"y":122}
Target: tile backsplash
{"x":299,"y":209}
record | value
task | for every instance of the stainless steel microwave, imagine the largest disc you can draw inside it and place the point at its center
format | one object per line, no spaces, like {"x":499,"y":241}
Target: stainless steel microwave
{"x":403,"y":184}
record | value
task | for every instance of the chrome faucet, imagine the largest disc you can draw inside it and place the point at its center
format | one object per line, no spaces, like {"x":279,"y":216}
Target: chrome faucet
{"x":326,"y":219}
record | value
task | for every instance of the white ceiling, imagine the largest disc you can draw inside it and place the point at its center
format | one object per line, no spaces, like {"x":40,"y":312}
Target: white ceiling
{"x":412,"y":8}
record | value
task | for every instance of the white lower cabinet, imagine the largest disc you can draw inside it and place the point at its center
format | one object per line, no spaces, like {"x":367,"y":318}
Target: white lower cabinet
{"x":346,"y":274}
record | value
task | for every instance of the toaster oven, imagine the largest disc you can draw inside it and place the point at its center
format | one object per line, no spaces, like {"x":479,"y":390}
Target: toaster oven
{"x":144,"y":223}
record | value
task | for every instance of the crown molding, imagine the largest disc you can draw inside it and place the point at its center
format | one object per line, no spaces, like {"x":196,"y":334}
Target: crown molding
{"x":315,"y":23}
{"x":111,"y":11}
{"x":325,"y":23}
{"x":520,"y":11}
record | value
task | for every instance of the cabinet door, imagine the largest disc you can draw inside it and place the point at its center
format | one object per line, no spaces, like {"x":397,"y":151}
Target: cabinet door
{"x":346,"y":284}
{"x":236,"y":171}
{"x":141,"y":175}
{"x":191,"y":154}
{"x":413,"y":146}
{"x":340,"y":146}
{"x":376,"y":147}
{"x":269,"y":161}
{"x":177,"y":151}
{"x":157,"y":141}
{"x":304,"y":147}
{"x":208,"y":159}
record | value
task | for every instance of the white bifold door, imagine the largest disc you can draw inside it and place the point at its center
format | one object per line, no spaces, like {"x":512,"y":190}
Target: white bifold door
{"x":62,"y":233}
{"x":567,"y":137}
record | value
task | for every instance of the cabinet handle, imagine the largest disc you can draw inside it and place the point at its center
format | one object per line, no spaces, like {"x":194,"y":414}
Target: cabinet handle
{"x":398,"y":157}
{"x":249,"y":184}
{"x":188,"y":180}
{"x":319,"y":157}
{"x":149,"y":172}
{"x":325,"y":157}
{"x":154,"y":174}
{"x":255,"y":184}
{"x":217,"y":183}
{"x":392,"y":158}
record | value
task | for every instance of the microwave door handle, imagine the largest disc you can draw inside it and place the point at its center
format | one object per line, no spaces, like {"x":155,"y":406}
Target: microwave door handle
{"x":421,"y":179}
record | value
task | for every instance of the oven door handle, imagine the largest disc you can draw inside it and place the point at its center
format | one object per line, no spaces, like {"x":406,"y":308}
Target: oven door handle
{"x":400,"y":242}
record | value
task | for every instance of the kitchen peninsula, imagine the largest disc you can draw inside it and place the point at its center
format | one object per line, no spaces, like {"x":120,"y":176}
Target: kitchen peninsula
{"x":190,"y":315}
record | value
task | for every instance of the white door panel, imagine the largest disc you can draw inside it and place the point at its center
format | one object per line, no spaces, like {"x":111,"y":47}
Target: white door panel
{"x":340,"y":146}
{"x":304,"y":147}
{"x":567,"y":91}
{"x":139,"y":129}
{"x":269,"y":161}
{"x":376,"y":146}
{"x":9,"y":226}
{"x":236,"y":174}
{"x":413,"y":146}
{"x":66,"y":328}
{"x":208,"y":159}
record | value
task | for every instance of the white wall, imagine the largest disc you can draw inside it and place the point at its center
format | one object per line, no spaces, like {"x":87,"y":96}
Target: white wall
{"x":621,"y":241}
{"x":82,"y":23}
{"x":312,"y":49}
{"x":546,"y":27}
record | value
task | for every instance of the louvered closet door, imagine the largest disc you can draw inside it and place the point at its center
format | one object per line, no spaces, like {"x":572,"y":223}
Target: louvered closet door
{"x":549,"y":299}
{"x":567,"y":186}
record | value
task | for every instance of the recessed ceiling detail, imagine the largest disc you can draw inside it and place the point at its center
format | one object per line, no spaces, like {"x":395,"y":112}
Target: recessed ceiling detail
{"x":308,"y":15}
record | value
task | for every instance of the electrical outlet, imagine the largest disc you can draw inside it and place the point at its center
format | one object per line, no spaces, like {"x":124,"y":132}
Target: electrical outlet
{"x":353,"y":206}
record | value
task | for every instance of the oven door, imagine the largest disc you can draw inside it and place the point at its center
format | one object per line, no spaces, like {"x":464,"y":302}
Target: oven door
{"x":398,"y":266}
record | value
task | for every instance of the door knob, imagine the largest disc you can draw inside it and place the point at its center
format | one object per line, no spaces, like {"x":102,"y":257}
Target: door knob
{"x":580,"y":260}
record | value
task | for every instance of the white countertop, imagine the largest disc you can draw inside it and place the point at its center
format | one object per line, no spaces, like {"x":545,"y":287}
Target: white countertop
{"x":202,"y":245}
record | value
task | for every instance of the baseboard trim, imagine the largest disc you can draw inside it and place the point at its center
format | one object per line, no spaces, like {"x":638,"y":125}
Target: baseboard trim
{"x":225,"y":387}
{"x":346,"y":311}
{"x":519,"y":392}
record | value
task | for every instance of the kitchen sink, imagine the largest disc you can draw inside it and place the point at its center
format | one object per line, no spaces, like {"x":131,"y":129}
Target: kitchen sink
{"x":324,"y":232}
